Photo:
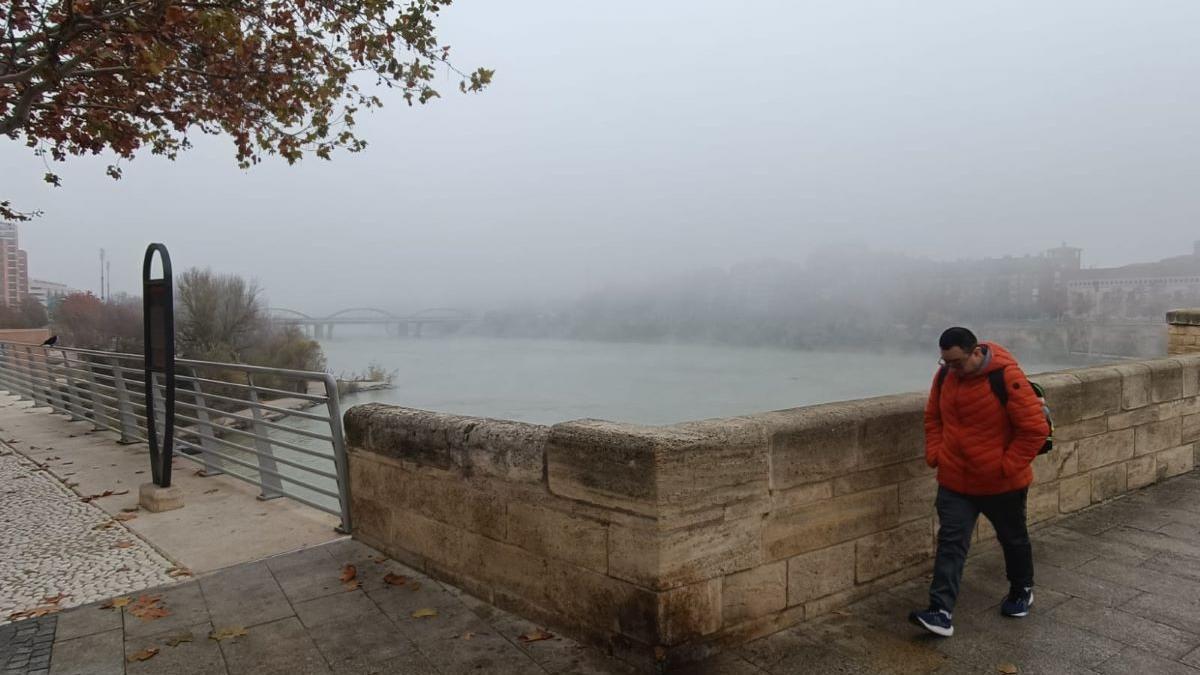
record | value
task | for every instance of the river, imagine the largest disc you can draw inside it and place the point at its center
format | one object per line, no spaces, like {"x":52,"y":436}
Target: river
{"x":548,"y":381}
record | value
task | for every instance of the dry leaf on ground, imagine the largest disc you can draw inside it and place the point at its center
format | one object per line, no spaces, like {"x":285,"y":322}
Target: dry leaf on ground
{"x":147,"y":653}
{"x":393,"y":579}
{"x":176,"y":640}
{"x":40,"y":610}
{"x":1008,"y":669}
{"x":227,"y":633}
{"x":535,"y":635}
{"x":131,"y":509}
{"x":209,"y":492}
{"x":414,"y":585}
{"x":349,"y":572}
{"x":54,"y":599}
{"x":125,"y":516}
{"x":105,"y":525}
{"x":179,"y":572}
{"x":468,"y":635}
{"x":148,"y":608}
{"x":424,"y":612}
{"x":116,"y":603}
{"x":378,"y":560}
{"x":124,"y":543}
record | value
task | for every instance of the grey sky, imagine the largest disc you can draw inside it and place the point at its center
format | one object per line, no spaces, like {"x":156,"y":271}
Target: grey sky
{"x":624,"y":140}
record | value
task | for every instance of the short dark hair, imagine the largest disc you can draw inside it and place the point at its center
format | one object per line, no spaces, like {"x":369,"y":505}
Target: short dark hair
{"x":958,"y":337}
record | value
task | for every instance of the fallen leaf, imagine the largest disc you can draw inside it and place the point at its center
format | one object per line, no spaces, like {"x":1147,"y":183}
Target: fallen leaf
{"x":535,"y":635}
{"x":125,"y":516}
{"x":378,"y":560}
{"x":468,"y":635}
{"x":1007,"y":669}
{"x":349,"y":572}
{"x":105,"y":525}
{"x":209,"y":492}
{"x":131,"y":509}
{"x":147,"y":653}
{"x":228,"y":633}
{"x":414,"y":586}
{"x":176,"y":640}
{"x":124,"y":543}
{"x":148,"y":608}
{"x":179,"y":572}
{"x":424,"y":612}
{"x":139,"y":471}
{"x":40,"y":610}
{"x":199,"y":472}
{"x":116,"y":603}
{"x":54,"y":599}
{"x":394,"y":579}
{"x":352,"y":585}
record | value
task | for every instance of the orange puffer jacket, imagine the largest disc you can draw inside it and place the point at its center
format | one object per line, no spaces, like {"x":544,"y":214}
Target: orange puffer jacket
{"x":978,"y":447}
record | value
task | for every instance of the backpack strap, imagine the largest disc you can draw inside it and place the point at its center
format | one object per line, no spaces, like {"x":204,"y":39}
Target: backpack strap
{"x":941,"y":377}
{"x":996,"y":379}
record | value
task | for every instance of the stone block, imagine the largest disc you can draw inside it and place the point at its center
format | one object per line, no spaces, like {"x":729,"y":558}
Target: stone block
{"x":1157,"y":436}
{"x":879,"y":477}
{"x":1074,"y":493}
{"x":886,"y":552}
{"x":689,"y":612}
{"x":467,"y":445}
{"x":1138,"y":417}
{"x":555,"y":534}
{"x":453,"y":502}
{"x":1166,"y":380}
{"x":658,"y":471}
{"x":1189,"y":373}
{"x":754,"y":593}
{"x":820,"y":573}
{"x":1060,"y":461}
{"x":1135,"y":385}
{"x":830,"y":522}
{"x":1140,"y":472}
{"x":659,"y":559}
{"x":1097,"y":451}
{"x":893,"y":429}
{"x":1042,"y":502}
{"x":1101,"y":392}
{"x":812,"y":444}
{"x":787,"y":500}
{"x":1084,"y":429}
{"x":1190,"y":431}
{"x":713,"y":463}
{"x":917,"y":497}
{"x":1108,"y":482}
{"x":1064,"y":395}
{"x":157,"y":499}
{"x":604,"y":463}
{"x":371,"y":517}
{"x":1174,"y":461}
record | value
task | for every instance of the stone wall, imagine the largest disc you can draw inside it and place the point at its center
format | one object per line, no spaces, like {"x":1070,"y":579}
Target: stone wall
{"x":29,"y":336}
{"x":669,"y":543}
{"x":1183,"y":331}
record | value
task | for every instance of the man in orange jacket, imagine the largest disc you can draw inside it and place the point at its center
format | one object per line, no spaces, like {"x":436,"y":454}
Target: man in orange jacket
{"x":982,"y":449}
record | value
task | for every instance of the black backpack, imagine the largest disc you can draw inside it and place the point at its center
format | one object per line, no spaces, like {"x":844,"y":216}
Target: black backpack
{"x":996,"y":381}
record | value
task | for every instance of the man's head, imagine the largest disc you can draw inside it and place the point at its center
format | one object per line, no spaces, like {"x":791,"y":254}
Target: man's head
{"x":960,"y":351}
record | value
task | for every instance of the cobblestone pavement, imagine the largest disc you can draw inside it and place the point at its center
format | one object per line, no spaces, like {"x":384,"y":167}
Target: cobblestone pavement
{"x":25,"y":646}
{"x":54,"y":545}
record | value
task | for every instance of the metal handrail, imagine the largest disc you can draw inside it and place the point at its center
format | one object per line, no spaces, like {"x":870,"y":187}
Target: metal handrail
{"x":107,"y":389}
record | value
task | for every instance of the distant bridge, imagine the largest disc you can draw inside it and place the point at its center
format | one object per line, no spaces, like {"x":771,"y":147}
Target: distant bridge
{"x":410,"y":325}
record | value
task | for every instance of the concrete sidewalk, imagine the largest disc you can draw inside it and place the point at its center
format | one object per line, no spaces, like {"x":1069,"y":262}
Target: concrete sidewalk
{"x":1118,"y":591}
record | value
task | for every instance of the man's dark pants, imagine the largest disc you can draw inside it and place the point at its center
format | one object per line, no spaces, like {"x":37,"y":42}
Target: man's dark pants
{"x":957,"y":514}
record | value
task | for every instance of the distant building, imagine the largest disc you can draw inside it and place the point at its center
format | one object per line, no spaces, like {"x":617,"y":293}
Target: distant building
{"x":47,"y":292}
{"x":1136,"y":292}
{"x":14,"y":267}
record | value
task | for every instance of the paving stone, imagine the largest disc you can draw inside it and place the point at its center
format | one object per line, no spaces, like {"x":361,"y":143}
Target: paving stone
{"x":307,"y":574}
{"x":87,"y":620}
{"x":728,"y":663}
{"x":1081,"y":585}
{"x":187,"y":607}
{"x":980,"y":647}
{"x":1178,"y":611}
{"x":199,"y":656}
{"x":245,"y":595}
{"x":97,"y":654}
{"x":1134,"y":660}
{"x":1144,"y":579}
{"x":1042,"y":631}
{"x":281,"y":647}
{"x":1126,"y":628}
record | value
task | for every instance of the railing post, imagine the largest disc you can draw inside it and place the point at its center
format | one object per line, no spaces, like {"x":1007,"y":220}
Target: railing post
{"x":35,"y":389}
{"x":212,"y":465}
{"x":73,"y":401}
{"x":272,"y":487}
{"x":124,"y":406}
{"x":334,"y":408}
{"x":95,"y":403}
{"x":27,"y":371}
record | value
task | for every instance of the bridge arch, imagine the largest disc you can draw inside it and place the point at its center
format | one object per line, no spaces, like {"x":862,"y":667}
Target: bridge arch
{"x":372,"y":310}
{"x":276,"y":311}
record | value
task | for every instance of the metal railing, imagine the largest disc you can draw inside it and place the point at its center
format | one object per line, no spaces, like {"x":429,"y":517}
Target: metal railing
{"x":280,"y":430}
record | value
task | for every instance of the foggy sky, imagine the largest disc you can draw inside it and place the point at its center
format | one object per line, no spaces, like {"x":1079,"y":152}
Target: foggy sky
{"x":630,"y":140}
